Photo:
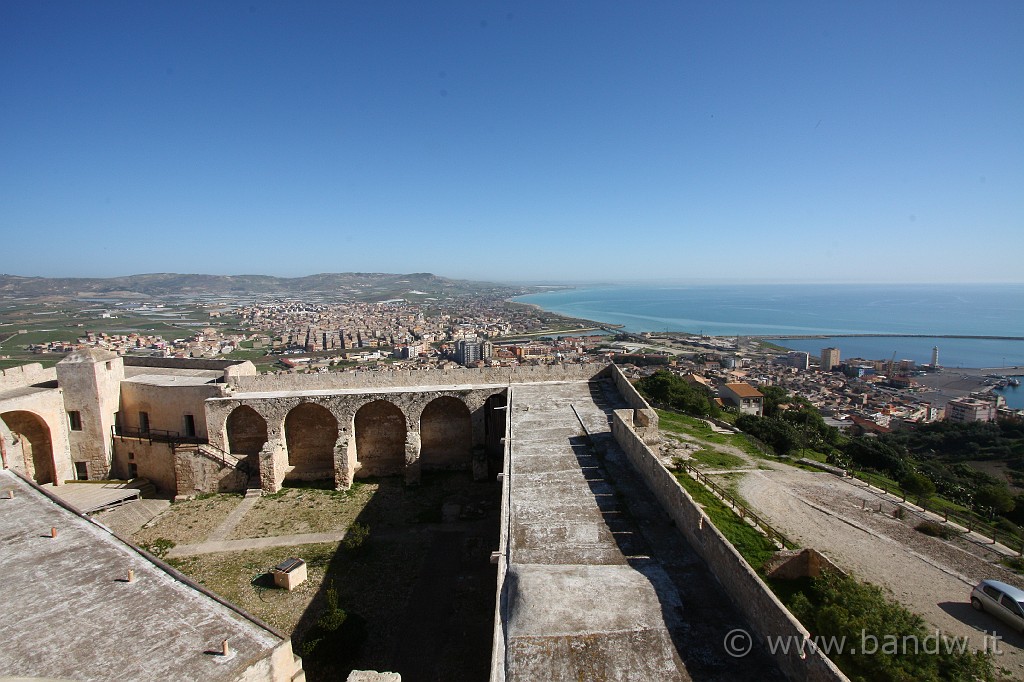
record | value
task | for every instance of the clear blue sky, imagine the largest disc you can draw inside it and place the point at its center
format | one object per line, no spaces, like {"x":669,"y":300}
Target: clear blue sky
{"x":840,"y":141}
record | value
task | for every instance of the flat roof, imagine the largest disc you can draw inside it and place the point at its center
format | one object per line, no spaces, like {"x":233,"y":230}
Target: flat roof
{"x":173,"y":379}
{"x":70,"y":612}
{"x":22,"y":392}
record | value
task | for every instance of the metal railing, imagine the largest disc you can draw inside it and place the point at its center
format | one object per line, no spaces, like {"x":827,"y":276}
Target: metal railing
{"x":738,"y":506}
{"x":971,"y":522}
{"x":222,"y":457}
{"x":154,"y":435}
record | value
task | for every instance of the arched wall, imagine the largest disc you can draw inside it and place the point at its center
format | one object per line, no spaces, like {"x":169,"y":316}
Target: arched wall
{"x":384,"y":442}
{"x":380,"y":432}
{"x":446,"y":434}
{"x":311,"y":432}
{"x":36,"y":444}
{"x":246,"y":431}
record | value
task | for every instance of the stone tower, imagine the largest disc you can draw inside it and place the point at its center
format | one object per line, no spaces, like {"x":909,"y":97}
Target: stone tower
{"x":91,"y":381}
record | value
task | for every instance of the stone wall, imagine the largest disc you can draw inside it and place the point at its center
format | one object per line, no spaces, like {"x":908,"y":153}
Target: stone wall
{"x":186,"y":363}
{"x":153,"y":460}
{"x":462,"y":376}
{"x":761,"y":608}
{"x":166,"y":405}
{"x":198,"y":474}
{"x":34,"y":435}
{"x":366,"y":433}
{"x":90,"y":380}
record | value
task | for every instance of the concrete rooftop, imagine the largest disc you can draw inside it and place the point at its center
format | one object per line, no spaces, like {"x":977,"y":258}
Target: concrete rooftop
{"x":69,"y":613}
{"x":600,"y":585}
{"x":158,"y":374}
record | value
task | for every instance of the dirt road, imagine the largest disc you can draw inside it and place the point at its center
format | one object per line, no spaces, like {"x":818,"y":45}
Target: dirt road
{"x":929,"y":576}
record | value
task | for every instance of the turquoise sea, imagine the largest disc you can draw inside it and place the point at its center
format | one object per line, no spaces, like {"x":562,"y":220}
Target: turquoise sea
{"x":832,"y":309}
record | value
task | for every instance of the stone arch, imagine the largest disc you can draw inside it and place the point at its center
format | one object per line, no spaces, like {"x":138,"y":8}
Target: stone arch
{"x":380,"y":439}
{"x":247,"y":431}
{"x":311,"y":432}
{"x":36,"y":444}
{"x":446,"y":434}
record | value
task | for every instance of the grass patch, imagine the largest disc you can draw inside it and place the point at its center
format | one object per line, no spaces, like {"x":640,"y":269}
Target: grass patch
{"x":715,"y":459}
{"x":748,"y":541}
{"x":191,"y":521}
{"x":699,"y":429}
{"x":304,"y":510}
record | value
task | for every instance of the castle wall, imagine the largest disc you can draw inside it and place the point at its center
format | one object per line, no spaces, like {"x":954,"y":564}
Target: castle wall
{"x":197,"y":474}
{"x":25,"y":375}
{"x":166,"y":405}
{"x":462,"y":376}
{"x":365,"y":447}
{"x":153,"y":460}
{"x":91,"y":382}
{"x":34,"y":434}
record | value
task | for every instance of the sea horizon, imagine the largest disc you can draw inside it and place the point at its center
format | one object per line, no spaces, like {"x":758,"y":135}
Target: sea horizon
{"x":915,"y":314}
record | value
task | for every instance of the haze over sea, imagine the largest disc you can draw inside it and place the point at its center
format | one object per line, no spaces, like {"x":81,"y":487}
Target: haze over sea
{"x":826,"y":309}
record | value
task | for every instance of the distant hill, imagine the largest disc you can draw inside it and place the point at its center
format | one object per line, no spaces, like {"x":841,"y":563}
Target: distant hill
{"x":352,"y":285}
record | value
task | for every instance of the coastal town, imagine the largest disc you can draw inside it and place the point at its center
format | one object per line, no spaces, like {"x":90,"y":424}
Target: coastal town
{"x":290,"y":335}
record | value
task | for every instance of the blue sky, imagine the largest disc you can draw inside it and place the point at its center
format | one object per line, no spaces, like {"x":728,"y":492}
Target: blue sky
{"x":560,"y":141}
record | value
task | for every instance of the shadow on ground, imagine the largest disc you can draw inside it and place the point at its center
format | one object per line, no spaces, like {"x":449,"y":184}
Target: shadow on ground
{"x":986,"y":624}
{"x":419,"y":592}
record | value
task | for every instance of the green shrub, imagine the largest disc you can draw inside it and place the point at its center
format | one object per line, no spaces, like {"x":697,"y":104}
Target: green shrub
{"x":159,"y":547}
{"x":837,"y":606}
{"x":935,"y":529}
{"x":336,"y":635}
{"x":355,"y":536}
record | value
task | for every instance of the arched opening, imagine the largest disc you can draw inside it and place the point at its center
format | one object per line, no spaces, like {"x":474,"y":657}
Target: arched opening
{"x":247,"y":431}
{"x":33,"y":436}
{"x":310,"y":433}
{"x":380,"y":439}
{"x":446,"y":435}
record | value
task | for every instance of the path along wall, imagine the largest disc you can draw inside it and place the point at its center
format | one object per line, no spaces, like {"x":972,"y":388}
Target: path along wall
{"x":762,"y":609}
{"x":462,"y":376}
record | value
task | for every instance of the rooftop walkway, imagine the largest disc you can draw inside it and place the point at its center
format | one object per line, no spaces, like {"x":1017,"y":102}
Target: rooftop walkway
{"x":600,"y":585}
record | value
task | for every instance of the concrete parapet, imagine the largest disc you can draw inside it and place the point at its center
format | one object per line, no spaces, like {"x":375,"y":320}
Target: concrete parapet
{"x":762,"y":609}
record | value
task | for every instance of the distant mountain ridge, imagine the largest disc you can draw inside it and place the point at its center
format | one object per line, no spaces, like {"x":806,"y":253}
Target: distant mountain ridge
{"x":356,"y":284}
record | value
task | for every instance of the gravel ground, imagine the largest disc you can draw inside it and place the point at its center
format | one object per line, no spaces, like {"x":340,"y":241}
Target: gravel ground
{"x":929,"y":576}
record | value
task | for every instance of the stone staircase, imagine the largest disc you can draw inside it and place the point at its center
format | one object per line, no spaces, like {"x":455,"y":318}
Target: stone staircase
{"x":144,"y":486}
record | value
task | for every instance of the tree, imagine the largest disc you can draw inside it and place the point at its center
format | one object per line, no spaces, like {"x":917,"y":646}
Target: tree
{"x":917,"y":485}
{"x":666,"y":388}
{"x":994,"y":499}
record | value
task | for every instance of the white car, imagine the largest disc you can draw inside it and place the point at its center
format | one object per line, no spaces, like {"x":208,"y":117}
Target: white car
{"x":1005,"y":602}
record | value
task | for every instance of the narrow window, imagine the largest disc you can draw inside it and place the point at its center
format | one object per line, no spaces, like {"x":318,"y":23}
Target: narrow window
{"x":75,"y":420}
{"x":144,"y":422}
